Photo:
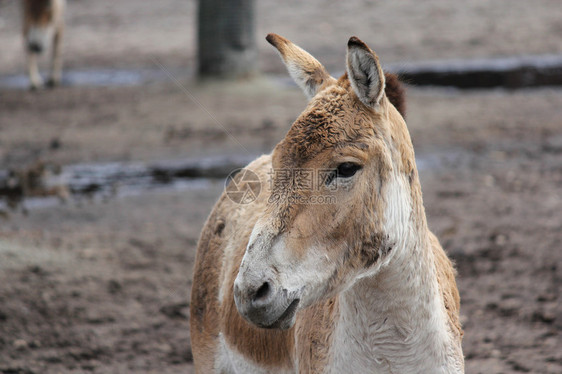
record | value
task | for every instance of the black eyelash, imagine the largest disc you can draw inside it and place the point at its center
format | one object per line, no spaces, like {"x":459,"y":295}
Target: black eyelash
{"x":347,"y":169}
{"x":344,"y":170}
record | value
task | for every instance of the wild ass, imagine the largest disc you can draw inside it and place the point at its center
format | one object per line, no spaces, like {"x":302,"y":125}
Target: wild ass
{"x":43,"y":24}
{"x":358,"y":285}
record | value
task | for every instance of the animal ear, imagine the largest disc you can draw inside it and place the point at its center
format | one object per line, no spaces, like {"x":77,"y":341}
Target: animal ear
{"x":309,"y":74}
{"x":364,"y":72}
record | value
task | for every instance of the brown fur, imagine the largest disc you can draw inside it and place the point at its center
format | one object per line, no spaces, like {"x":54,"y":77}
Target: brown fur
{"x":38,"y":12}
{"x":395,"y":93}
{"x":446,"y":277}
{"x":274,"y":348}
{"x":208,"y":316}
{"x":335,"y":126}
{"x":316,"y":74}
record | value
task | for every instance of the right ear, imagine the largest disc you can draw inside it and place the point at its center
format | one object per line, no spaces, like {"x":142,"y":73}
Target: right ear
{"x":309,"y":74}
{"x":365,"y":73}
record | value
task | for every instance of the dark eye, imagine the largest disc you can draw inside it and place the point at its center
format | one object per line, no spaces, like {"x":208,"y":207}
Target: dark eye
{"x":347,"y":169}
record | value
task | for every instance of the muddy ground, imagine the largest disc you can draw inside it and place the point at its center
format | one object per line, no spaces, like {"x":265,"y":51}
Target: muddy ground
{"x":102,"y":285}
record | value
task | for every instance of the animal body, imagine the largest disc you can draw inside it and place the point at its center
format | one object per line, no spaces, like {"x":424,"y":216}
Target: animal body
{"x":43,"y":27}
{"x":31,"y":181}
{"x":341,"y":275}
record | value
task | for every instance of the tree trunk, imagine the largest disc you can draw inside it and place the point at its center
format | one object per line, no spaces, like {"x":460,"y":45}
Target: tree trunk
{"x":226,"y":43}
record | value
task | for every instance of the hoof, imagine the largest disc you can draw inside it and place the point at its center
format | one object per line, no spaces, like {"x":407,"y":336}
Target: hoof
{"x":36,"y":87}
{"x":51,"y":83}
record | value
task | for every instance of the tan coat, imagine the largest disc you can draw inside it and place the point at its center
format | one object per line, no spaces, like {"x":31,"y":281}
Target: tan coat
{"x":286,"y":284}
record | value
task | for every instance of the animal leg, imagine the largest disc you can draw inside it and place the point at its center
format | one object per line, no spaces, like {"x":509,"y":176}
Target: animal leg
{"x":56,"y":60}
{"x":35,"y":79}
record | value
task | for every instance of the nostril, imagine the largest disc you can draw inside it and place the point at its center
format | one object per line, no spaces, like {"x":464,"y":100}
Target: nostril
{"x":262,"y":292}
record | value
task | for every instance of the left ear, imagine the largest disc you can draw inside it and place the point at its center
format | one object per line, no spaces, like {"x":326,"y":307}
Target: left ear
{"x":309,"y":74}
{"x":365,"y":73}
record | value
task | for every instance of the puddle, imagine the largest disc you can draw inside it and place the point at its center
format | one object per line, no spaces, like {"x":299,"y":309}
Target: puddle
{"x":97,"y":77}
{"x":37,"y":187}
{"x":508,"y":72}
{"x":514,"y":72}
{"x":108,"y":177}
{"x":104,"y":195}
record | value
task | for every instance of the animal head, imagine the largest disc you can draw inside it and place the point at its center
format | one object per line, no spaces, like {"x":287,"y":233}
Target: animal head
{"x":341,"y":190}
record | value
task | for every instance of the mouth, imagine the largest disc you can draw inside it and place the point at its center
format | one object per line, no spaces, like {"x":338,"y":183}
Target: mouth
{"x":285,"y":321}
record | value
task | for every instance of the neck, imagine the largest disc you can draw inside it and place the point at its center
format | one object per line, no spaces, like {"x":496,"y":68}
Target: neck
{"x":395,"y":319}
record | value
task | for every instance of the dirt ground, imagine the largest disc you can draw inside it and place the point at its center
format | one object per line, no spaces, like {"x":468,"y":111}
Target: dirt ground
{"x":103,"y":286}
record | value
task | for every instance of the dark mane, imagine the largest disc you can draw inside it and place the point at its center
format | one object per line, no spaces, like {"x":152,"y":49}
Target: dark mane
{"x":395,"y":92}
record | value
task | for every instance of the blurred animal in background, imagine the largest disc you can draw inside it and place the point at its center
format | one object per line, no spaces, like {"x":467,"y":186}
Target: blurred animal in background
{"x":34,"y":180}
{"x":43,"y":26}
